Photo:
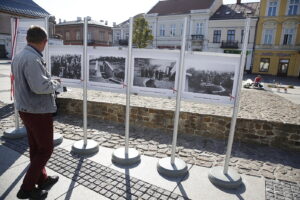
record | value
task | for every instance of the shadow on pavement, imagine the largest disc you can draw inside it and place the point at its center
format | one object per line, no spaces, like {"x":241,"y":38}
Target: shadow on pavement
{"x":6,"y":111}
{"x":13,"y":185}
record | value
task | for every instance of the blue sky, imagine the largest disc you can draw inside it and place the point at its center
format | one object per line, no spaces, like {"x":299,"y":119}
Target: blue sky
{"x":110,"y":10}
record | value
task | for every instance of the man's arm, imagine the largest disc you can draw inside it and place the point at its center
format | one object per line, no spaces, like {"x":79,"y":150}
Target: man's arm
{"x":37,"y":80}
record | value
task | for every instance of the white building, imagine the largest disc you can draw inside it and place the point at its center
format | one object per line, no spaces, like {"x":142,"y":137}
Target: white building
{"x":121,"y":32}
{"x":166,"y":20}
{"x":226,"y":29}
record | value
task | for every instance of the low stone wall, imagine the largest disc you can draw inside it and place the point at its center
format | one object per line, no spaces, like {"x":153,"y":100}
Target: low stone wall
{"x":271,"y":133}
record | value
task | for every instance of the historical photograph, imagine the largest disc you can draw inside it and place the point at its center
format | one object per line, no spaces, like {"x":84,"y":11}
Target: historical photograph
{"x":66,"y":66}
{"x":211,"y":79}
{"x":154,"y":73}
{"x":107,"y":69}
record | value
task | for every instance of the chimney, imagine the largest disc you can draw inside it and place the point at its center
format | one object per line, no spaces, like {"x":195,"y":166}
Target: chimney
{"x":106,"y":22}
{"x":238,"y":1}
{"x":114,"y":24}
{"x":89,"y":18}
{"x":78,"y":19}
{"x":59,"y":20}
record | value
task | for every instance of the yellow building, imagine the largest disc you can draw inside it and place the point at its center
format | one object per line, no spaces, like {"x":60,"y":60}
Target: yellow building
{"x":277,"y":48}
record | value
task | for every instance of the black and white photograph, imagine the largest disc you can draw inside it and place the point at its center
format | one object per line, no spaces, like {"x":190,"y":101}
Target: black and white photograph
{"x":210,"y":78}
{"x":67,"y":66}
{"x":209,"y":81}
{"x":154,"y":73}
{"x":107,"y":69}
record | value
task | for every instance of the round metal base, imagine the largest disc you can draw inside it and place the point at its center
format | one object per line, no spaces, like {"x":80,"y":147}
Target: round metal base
{"x":91,"y":147}
{"x":57,"y":139}
{"x":13,"y":133}
{"x":120,"y":157}
{"x":231,"y":180}
{"x":176,"y":170}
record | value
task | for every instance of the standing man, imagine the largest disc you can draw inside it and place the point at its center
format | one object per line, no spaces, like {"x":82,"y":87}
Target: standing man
{"x":34,"y":94}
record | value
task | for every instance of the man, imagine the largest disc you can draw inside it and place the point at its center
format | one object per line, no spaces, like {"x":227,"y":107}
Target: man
{"x":34,"y":94}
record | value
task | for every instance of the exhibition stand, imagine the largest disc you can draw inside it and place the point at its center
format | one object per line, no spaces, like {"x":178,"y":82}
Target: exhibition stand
{"x":171,"y":166}
{"x":126,"y":155}
{"x":195,"y":76}
{"x":85,"y":146}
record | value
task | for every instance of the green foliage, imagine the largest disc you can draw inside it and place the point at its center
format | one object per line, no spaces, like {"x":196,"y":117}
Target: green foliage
{"x":142,"y":35}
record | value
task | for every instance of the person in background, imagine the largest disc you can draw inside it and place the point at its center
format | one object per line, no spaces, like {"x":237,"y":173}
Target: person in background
{"x":34,"y":95}
{"x":257,"y":81}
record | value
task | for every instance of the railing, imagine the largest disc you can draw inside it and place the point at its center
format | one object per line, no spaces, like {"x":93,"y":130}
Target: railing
{"x":123,"y":42}
{"x":230,"y":44}
{"x":197,"y":37}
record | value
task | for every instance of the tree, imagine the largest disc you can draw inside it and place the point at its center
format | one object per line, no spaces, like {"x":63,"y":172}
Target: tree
{"x":141,"y":33}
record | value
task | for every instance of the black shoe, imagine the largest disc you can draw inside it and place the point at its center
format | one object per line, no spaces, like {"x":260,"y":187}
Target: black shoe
{"x":49,"y":182}
{"x":33,"y":194}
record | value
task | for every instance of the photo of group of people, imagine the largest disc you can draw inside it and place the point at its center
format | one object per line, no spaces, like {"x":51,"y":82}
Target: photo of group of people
{"x":154,"y":73}
{"x":66,"y":66}
{"x":107,"y":69}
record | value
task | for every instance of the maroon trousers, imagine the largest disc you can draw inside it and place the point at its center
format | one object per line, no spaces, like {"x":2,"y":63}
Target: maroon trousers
{"x":40,"y":138}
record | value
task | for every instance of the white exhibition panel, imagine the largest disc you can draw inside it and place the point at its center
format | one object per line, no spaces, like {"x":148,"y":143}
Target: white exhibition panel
{"x":66,"y":63}
{"x":23,"y":26}
{"x":210,"y":77}
{"x":154,"y":72}
{"x":107,"y":69}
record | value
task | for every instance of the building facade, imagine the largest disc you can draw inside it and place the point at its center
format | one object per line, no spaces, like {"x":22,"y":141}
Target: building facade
{"x":121,"y":32}
{"x":71,"y":32}
{"x":18,"y":9}
{"x":166,"y":20}
{"x":226,"y":29}
{"x":277,"y":49}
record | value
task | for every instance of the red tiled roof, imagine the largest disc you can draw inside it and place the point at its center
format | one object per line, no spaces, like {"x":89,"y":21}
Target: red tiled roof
{"x":172,"y":7}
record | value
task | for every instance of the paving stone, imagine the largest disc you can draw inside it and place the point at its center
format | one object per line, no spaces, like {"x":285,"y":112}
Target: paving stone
{"x":110,"y":183}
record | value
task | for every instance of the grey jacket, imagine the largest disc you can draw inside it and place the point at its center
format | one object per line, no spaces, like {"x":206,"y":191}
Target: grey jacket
{"x":34,"y":89}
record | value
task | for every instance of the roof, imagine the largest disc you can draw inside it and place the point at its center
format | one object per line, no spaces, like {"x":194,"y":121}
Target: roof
{"x":22,"y":7}
{"x":236,"y":11}
{"x":126,"y":23}
{"x":173,"y":7}
{"x":91,"y":22}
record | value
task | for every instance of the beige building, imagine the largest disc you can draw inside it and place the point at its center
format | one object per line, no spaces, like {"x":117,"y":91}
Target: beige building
{"x":226,"y":29}
{"x":166,"y":20}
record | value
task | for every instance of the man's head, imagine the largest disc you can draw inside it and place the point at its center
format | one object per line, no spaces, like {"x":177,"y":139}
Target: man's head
{"x":37,"y":37}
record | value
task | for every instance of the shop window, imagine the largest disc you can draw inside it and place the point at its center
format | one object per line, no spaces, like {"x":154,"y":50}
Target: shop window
{"x":264,"y":64}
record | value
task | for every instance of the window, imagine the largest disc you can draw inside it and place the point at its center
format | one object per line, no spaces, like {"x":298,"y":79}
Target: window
{"x":89,"y":36}
{"x":268,"y":36}
{"x":217,"y":36}
{"x":230,"y":35}
{"x":264,"y":64}
{"x":199,"y":29}
{"x":272,"y":8}
{"x":162,"y":30}
{"x":77,"y":35}
{"x":242,"y":35}
{"x":101,"y":35}
{"x":126,"y":36}
{"x":67,"y":35}
{"x":288,"y":36}
{"x":173,"y":30}
{"x":293,"y":7}
{"x":117,"y":36}
{"x":181,"y":29}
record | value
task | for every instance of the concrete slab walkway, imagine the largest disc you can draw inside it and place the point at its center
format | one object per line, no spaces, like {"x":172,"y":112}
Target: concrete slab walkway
{"x":195,"y":186}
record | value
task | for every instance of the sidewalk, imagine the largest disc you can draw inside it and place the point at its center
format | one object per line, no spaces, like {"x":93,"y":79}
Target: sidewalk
{"x":96,"y":177}
{"x":267,"y":173}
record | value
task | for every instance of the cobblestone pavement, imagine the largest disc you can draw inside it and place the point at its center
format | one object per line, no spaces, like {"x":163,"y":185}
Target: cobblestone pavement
{"x":255,"y":104}
{"x":103,"y":180}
